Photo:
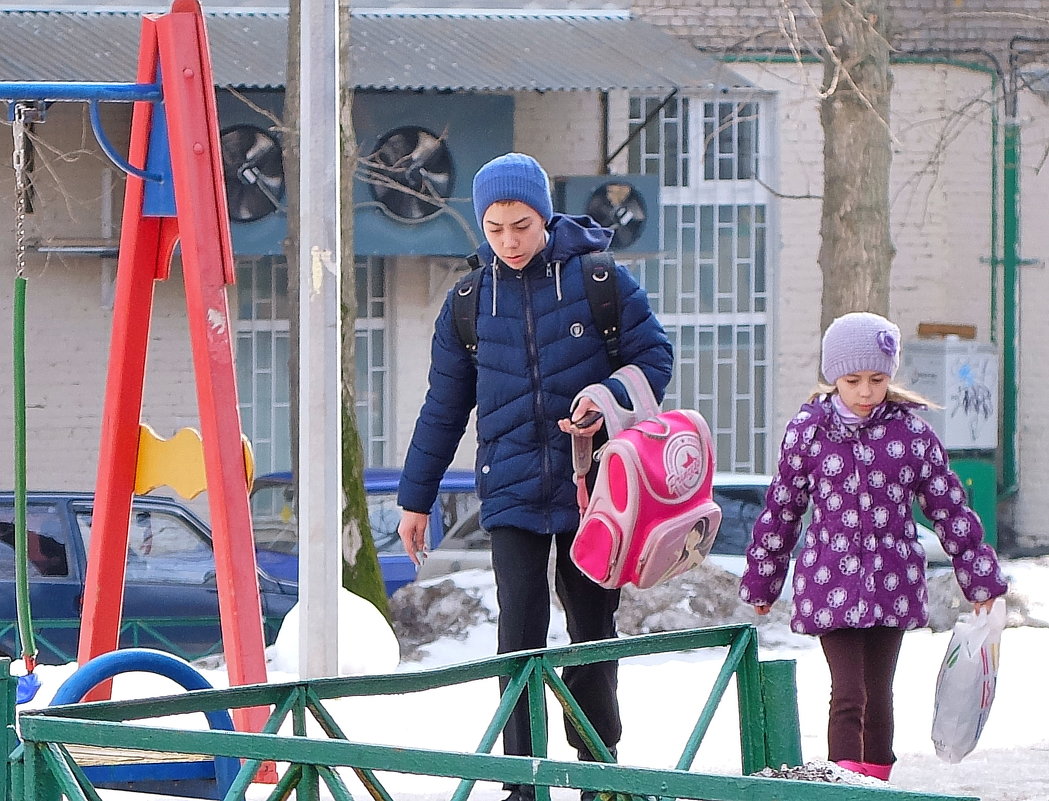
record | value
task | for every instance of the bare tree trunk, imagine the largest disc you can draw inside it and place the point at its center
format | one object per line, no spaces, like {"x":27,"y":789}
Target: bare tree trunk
{"x":290,"y":155}
{"x":360,"y":571}
{"x":360,"y":567}
{"x":856,"y":251}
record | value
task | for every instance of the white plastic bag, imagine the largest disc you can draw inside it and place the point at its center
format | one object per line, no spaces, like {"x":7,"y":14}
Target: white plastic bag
{"x":966,"y":683}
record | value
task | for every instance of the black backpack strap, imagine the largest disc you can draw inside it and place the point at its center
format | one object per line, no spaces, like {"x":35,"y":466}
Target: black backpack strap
{"x":599,"y":280}
{"x":465,"y":299}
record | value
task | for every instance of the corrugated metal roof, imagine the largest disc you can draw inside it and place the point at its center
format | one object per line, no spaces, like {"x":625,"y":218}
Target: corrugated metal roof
{"x":525,"y":52}
{"x":390,"y":50}
{"x":248,"y":50}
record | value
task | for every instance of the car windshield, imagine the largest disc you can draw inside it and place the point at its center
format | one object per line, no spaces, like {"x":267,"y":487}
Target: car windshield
{"x":273,"y":518}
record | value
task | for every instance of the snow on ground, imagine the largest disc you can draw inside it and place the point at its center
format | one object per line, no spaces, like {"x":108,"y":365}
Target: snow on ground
{"x":661,"y":698}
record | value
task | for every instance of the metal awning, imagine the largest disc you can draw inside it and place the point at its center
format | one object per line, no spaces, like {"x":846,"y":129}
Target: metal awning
{"x":525,"y":52}
{"x":418,"y":50}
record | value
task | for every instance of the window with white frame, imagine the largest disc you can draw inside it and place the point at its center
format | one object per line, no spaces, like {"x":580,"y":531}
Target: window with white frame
{"x":372,"y":360}
{"x":709,"y":286}
{"x":263,"y":342}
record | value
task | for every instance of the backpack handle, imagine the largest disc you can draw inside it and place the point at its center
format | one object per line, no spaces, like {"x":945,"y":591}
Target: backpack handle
{"x":633,"y":380}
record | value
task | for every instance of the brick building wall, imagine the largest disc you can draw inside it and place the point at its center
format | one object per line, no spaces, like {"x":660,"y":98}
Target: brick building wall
{"x":942,"y":196}
{"x":917,"y":26}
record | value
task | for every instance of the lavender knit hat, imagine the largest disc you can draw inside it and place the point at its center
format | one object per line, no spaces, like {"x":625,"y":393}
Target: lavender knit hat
{"x":860,"y":341}
{"x":514,"y":176}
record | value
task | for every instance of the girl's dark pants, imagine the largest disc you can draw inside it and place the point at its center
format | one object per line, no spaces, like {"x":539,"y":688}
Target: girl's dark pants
{"x":862,"y":665}
{"x":520,"y":559}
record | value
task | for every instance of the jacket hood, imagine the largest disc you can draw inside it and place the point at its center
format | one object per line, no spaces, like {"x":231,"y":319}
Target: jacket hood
{"x":569,"y":236}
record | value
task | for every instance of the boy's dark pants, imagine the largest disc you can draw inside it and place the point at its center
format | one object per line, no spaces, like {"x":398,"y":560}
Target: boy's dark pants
{"x":862,"y":665}
{"x":520,"y":560}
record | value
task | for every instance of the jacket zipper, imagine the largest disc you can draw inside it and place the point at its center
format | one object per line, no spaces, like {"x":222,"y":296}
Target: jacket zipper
{"x":537,"y":396}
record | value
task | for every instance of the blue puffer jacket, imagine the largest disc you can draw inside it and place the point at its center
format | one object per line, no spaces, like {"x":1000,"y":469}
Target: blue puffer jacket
{"x":532,"y":359}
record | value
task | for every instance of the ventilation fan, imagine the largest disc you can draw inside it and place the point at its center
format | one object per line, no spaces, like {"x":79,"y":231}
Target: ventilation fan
{"x":621,"y":207}
{"x":627,"y":204}
{"x":410,"y":172}
{"x":254,"y":172}
{"x":411,"y":193}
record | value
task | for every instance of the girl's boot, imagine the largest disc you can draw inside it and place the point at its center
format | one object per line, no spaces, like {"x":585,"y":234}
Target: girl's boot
{"x":855,"y":767}
{"x":877,"y":771}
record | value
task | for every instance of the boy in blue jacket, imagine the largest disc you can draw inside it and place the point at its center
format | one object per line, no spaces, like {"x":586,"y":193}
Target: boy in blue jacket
{"x":537,"y":346}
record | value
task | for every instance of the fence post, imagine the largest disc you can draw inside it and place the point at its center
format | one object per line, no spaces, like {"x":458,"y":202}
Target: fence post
{"x":779,"y":692}
{"x":8,"y":696}
{"x":752,"y":725}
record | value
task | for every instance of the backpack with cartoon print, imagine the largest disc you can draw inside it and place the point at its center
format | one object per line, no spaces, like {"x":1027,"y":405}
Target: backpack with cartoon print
{"x":651,"y":514}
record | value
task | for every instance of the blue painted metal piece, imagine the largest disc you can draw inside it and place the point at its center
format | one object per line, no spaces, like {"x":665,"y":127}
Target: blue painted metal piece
{"x":80,"y":90}
{"x":145,"y":660}
{"x":159,"y":200}
{"x":109,"y":150}
{"x":158,"y":197}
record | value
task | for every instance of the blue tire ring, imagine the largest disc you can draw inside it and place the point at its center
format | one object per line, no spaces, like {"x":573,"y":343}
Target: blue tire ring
{"x":146,"y":660}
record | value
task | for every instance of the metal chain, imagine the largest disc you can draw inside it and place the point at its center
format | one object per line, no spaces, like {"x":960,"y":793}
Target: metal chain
{"x":18,"y":131}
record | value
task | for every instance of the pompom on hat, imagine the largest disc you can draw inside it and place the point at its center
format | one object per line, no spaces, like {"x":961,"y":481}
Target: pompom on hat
{"x":860,"y":341}
{"x":513,"y":176}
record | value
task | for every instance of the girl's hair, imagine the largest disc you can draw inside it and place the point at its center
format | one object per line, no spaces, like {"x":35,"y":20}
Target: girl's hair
{"x":894,"y":393}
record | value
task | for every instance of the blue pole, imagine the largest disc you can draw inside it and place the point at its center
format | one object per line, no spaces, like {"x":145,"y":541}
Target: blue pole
{"x":79,"y":90}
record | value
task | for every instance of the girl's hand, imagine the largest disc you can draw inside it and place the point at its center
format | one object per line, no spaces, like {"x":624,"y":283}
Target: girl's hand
{"x":763,"y":609}
{"x":983,"y":606}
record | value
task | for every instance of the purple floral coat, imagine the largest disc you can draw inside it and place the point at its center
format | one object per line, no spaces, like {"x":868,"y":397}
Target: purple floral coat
{"x":862,"y":564}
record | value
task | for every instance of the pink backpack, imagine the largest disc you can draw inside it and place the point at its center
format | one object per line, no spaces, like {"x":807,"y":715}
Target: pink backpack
{"x":651,"y":515}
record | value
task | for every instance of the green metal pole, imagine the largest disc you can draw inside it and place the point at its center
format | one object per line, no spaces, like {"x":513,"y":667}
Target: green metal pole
{"x":1010,"y":299}
{"x":25,"y":626}
{"x":779,"y":693}
{"x":8,"y":694}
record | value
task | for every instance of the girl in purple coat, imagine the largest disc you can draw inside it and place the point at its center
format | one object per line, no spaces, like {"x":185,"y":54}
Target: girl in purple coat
{"x":859,"y":455}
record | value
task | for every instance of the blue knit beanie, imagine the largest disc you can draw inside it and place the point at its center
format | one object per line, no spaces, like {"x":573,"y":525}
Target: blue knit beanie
{"x":514,"y":176}
{"x":860,"y":341}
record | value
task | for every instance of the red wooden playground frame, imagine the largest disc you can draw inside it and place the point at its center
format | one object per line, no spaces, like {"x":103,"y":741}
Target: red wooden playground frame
{"x":174,"y":54}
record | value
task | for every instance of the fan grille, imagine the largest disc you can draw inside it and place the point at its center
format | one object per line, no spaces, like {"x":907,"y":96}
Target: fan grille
{"x":411,"y":173}
{"x":254,"y":172}
{"x":619,"y":206}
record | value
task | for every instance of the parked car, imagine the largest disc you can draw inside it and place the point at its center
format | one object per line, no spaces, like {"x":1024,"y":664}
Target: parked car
{"x":170,"y":592}
{"x":741,"y":497}
{"x":275,"y":521}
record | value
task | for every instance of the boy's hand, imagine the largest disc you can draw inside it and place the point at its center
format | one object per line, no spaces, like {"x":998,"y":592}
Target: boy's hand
{"x":586,"y":420}
{"x":412,"y":531}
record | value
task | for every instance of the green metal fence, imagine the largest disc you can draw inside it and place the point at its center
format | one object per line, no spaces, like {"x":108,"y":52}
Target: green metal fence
{"x":42,"y":768}
{"x":149,"y":632}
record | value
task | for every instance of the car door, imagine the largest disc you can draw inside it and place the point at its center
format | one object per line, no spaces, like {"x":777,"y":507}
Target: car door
{"x":170,"y":591}
{"x":55,"y":583}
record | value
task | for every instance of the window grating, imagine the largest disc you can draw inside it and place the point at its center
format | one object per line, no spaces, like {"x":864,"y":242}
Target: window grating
{"x":709,"y":287}
{"x":263,"y":350}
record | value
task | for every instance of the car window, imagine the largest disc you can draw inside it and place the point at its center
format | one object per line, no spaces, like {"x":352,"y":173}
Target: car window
{"x":162,"y":548}
{"x":45,"y":545}
{"x":467,"y":535}
{"x":740,"y":509}
{"x":274,"y":520}
{"x":460,"y":519}
{"x":384,"y":516}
